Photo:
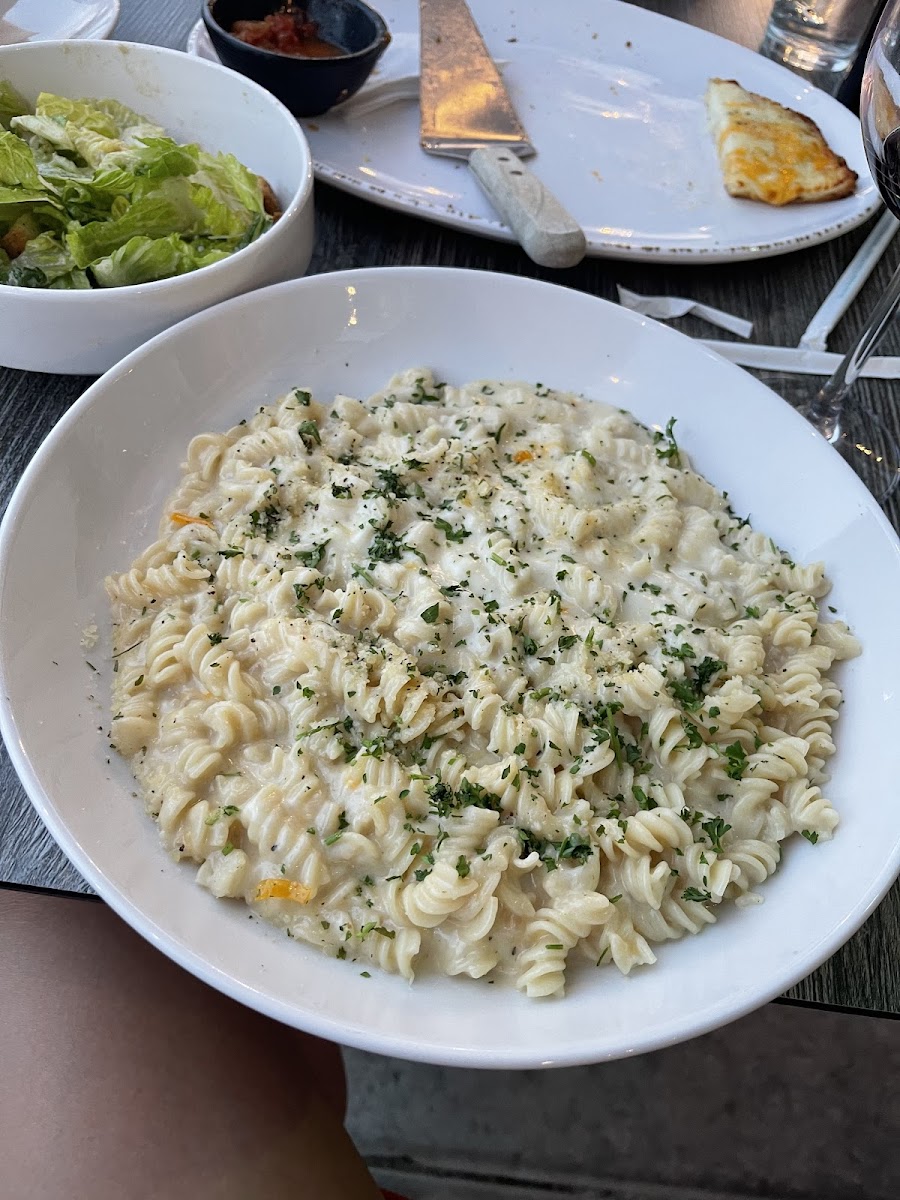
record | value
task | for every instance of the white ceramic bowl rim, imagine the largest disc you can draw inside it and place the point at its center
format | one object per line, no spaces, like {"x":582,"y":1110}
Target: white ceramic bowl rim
{"x":300,"y":197}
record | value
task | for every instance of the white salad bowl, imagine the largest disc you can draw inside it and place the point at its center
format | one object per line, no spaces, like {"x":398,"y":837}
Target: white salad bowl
{"x":85,"y":332}
{"x":91,"y":500}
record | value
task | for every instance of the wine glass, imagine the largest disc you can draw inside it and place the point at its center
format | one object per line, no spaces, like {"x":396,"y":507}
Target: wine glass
{"x":858,"y":434}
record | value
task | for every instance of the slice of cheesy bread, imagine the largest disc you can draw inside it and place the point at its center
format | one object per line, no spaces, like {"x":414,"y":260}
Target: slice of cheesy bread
{"x":771,"y":153}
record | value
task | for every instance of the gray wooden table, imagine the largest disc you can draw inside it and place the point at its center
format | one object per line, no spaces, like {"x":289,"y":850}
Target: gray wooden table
{"x":779,"y":295}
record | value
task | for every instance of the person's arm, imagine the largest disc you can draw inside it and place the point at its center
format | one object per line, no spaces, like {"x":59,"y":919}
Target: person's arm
{"x":123,"y":1076}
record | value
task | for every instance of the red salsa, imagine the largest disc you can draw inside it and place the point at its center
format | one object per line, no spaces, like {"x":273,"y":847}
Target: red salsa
{"x":286,"y":33}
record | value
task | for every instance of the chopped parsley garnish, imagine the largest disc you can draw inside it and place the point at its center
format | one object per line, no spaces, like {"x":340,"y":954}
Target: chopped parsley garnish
{"x":684,"y":692}
{"x":388,"y":484}
{"x":705,"y":671}
{"x":574,"y":848}
{"x":684,"y":651}
{"x":420,"y":396}
{"x":451,"y":534}
{"x":737,"y":761}
{"x":309,"y":433}
{"x":313,"y":556}
{"x":605,"y":728}
{"x":668,"y":452}
{"x":386,"y":545}
{"x":462,"y":866}
{"x":689,"y":691}
{"x":715,"y":829}
{"x":444,"y":800}
{"x":265,"y":520}
{"x":695,"y":894}
{"x":430,"y":614}
{"x":343,"y":824}
{"x":644,"y":801}
{"x":810,"y":835}
{"x":694,"y":740}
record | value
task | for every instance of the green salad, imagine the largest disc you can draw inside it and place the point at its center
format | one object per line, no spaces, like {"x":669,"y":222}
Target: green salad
{"x":95,"y":195}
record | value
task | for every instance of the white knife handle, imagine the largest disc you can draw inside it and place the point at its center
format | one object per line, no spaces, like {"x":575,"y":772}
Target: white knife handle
{"x":543,"y":228}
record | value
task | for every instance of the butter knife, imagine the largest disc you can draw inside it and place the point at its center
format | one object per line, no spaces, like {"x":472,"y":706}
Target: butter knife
{"x":466,"y":113}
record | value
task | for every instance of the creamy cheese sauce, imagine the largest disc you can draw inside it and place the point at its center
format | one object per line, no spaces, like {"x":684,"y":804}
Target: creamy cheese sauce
{"x":471,"y":679}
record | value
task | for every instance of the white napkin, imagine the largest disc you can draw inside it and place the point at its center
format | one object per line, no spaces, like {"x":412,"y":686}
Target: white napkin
{"x":663,"y":308}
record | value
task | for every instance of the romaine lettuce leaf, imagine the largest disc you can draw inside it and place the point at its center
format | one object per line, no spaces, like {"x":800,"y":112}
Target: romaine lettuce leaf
{"x":14,"y":202}
{"x":86,"y":195}
{"x":11,"y":104}
{"x":81,"y":113}
{"x":153,"y":217}
{"x":107,"y":118}
{"x":231,"y":182}
{"x":211,"y":215}
{"x":17,"y":165}
{"x":127,"y":121}
{"x":94,"y":148}
{"x":44,"y":259}
{"x":75,"y":281}
{"x":42,"y":127}
{"x":144,"y":259}
{"x":161,"y":157}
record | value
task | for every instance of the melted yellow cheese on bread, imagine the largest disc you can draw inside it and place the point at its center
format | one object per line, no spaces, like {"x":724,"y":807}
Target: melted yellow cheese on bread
{"x":770,"y":153}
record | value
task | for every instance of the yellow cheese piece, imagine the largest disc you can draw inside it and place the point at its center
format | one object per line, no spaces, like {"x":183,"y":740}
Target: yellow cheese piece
{"x":770,"y":153}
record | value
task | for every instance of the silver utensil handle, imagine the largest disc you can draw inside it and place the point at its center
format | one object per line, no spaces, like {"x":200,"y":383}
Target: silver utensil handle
{"x":545,"y":231}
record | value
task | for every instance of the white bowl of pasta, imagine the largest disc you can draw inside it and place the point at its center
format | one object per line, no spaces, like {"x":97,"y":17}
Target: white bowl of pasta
{"x":471,"y":686}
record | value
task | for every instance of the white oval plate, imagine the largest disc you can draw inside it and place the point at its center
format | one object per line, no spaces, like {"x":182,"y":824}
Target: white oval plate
{"x":56,"y":20}
{"x":612,"y":97}
{"x":91,"y":499}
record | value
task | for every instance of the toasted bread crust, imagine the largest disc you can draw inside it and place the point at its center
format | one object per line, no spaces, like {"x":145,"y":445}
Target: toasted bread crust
{"x":771,"y":153}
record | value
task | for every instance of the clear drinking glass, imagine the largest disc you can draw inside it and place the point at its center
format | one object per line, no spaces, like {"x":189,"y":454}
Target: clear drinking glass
{"x":867,"y":443}
{"x":819,"y":38}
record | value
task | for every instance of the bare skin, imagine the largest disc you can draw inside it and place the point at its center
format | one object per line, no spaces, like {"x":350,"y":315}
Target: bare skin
{"x":123,"y":1076}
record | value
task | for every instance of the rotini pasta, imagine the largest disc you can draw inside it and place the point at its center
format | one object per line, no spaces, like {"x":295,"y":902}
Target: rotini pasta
{"x":467,"y":679}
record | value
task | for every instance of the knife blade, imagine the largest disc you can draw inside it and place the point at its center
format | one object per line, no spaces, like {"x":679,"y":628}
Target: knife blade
{"x":466,"y":113}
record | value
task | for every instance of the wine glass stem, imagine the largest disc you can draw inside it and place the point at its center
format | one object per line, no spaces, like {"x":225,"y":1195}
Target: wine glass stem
{"x":826,"y":407}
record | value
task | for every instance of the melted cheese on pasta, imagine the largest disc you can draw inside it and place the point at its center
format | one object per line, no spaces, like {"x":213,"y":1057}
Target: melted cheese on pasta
{"x":471,"y":679}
